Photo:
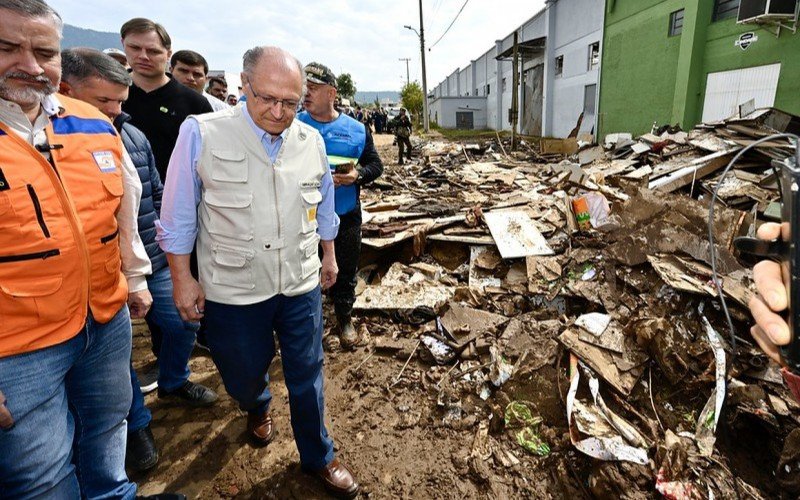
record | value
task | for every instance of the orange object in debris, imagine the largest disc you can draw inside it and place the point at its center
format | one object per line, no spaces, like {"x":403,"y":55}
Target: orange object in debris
{"x":581,"y":209}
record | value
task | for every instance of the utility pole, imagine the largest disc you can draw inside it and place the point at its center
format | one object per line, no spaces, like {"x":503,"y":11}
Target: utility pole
{"x":515,"y":93}
{"x":421,"y":35}
{"x":406,"y":59}
{"x":424,"y":72}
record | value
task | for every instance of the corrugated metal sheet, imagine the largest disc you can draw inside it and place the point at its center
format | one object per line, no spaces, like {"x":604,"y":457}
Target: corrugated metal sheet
{"x":726,"y":90}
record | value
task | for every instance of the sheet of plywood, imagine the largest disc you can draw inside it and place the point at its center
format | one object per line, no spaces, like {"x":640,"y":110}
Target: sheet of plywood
{"x":516,"y":235}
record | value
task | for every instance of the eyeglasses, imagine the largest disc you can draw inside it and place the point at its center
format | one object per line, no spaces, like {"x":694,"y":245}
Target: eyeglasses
{"x":286,"y":104}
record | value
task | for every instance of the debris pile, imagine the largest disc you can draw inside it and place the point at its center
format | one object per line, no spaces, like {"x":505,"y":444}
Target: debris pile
{"x":560,"y":298}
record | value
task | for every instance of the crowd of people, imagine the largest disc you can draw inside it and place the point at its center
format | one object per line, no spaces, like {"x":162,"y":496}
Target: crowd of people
{"x":129,"y":191}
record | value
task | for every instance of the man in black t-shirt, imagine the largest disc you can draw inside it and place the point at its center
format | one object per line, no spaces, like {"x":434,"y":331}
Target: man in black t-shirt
{"x":157,"y":103}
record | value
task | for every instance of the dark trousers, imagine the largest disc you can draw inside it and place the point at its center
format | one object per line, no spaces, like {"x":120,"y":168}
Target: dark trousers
{"x":242,"y":346}
{"x":401,"y":143}
{"x":348,"y":251}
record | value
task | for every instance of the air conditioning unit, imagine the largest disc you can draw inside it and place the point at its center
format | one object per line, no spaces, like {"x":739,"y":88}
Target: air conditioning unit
{"x":766,"y":10}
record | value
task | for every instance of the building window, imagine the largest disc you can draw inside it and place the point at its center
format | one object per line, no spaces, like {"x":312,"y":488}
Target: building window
{"x":559,"y":65}
{"x":505,"y":85}
{"x":594,"y":56}
{"x":488,"y":89}
{"x":589,"y":100}
{"x":723,"y":9}
{"x":476,"y":92}
{"x":676,"y":23}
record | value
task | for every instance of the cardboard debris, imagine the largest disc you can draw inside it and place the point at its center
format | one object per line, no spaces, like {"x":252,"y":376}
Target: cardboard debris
{"x":448,"y":231}
{"x":460,"y":320}
{"x":599,"y":432}
{"x":621,"y":371}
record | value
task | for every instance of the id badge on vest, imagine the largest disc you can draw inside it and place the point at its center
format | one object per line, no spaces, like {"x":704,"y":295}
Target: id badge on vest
{"x":104,"y":161}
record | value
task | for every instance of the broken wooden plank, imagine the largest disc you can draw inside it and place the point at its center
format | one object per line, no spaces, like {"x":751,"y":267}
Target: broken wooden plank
{"x":467,"y":240}
{"x":696,"y":169}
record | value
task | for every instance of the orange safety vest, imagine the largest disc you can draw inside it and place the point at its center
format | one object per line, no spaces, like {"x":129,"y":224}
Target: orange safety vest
{"x":59,"y":240}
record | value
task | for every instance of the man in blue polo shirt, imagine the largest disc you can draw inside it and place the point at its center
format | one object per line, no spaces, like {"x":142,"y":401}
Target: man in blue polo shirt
{"x":354,"y":162}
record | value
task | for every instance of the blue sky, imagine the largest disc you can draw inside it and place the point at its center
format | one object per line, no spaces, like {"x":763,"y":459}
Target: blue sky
{"x":362,"y":37}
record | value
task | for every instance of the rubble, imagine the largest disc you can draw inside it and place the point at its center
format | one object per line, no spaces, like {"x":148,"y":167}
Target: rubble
{"x":478,"y":259}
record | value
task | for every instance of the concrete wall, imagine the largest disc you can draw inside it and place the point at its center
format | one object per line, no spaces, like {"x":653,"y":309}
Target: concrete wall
{"x":578,"y":23}
{"x":465,"y":82}
{"x":443,"y":111}
{"x":649,"y":76}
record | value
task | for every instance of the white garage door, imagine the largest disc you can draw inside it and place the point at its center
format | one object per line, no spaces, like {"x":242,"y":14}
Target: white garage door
{"x":726,"y":90}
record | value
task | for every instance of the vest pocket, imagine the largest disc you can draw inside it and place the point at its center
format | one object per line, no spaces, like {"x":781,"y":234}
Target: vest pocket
{"x":311,"y":199}
{"x":113,"y":185}
{"x":37,"y":207}
{"x":228,"y":166}
{"x":31,"y":297}
{"x":233,"y":267}
{"x":230,"y":214}
{"x":310,"y":262}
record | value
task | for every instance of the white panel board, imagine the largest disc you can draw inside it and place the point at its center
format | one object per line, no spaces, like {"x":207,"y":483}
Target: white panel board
{"x":726,"y":90}
{"x":516,"y":235}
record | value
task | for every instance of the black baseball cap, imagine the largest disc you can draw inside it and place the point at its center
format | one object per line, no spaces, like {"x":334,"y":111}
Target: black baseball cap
{"x":319,"y":73}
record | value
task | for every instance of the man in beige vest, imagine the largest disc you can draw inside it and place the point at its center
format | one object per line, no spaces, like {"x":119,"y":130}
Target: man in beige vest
{"x":251,"y":185}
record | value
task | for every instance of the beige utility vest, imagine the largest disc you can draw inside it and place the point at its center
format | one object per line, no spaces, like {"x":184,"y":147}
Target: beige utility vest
{"x":257,"y":219}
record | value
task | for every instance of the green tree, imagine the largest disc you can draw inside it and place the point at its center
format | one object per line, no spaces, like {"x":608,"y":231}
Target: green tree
{"x":411,"y":97}
{"x":345,"y":86}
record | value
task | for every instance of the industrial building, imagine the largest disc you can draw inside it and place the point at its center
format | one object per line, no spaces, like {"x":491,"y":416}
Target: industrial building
{"x":687,"y":61}
{"x":559,"y":65}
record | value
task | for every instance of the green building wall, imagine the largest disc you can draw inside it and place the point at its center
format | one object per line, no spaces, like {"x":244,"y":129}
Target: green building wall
{"x":648,"y":76}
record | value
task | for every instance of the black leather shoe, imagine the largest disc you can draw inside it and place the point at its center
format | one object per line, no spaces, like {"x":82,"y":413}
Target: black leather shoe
{"x":141,"y":454}
{"x":194,"y":394}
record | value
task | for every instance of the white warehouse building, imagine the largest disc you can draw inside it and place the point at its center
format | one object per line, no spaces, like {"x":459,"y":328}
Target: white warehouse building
{"x":559,"y":64}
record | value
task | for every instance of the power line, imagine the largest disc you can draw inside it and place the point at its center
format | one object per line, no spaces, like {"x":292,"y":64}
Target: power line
{"x":434,"y":11}
{"x":451,"y":25}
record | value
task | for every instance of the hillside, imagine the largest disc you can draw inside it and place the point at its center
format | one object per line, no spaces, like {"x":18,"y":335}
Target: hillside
{"x":82,"y":37}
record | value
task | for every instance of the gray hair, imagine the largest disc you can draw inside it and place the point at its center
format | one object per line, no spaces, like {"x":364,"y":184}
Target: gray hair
{"x":33,"y":8}
{"x":81,"y":63}
{"x":254,"y":55}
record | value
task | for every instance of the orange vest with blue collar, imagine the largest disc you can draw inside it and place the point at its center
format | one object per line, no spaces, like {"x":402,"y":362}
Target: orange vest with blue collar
{"x":59,"y":240}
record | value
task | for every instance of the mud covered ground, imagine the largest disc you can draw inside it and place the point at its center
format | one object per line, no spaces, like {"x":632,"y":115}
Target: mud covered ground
{"x":401,"y":438}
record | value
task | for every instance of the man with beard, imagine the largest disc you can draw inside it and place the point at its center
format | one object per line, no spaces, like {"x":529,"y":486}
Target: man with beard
{"x":218,"y":88}
{"x":67,"y":235}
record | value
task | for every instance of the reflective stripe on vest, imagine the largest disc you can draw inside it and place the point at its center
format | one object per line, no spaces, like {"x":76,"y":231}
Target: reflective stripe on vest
{"x":344,"y":137}
{"x":59,"y":240}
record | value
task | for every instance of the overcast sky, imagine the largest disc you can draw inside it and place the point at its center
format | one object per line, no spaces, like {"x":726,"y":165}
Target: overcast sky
{"x":362,"y":37}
